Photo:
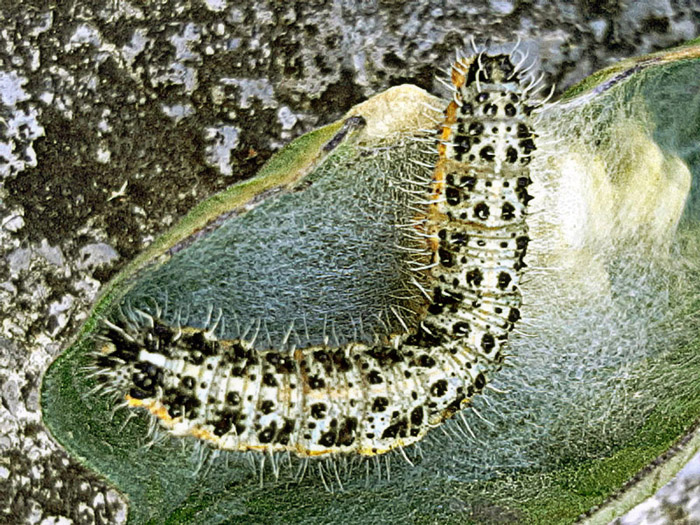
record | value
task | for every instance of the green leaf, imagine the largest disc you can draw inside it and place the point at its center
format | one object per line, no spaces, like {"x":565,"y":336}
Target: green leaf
{"x":603,"y":379}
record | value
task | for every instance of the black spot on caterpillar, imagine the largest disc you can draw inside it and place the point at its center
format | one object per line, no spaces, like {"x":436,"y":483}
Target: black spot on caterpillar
{"x":356,"y":396}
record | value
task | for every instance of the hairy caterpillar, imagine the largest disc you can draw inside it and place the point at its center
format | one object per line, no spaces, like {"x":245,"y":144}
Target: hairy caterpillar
{"x":359,"y":397}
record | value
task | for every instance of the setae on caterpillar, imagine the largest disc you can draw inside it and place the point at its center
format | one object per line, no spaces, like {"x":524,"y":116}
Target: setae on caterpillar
{"x":313,"y":398}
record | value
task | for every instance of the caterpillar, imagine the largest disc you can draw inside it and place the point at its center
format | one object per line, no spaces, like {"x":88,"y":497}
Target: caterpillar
{"x":361,"y":397}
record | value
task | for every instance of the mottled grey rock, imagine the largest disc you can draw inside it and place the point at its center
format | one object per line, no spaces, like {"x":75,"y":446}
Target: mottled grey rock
{"x":96,"y":254}
{"x":677,"y":503}
{"x":502,"y":7}
{"x":117,"y":117}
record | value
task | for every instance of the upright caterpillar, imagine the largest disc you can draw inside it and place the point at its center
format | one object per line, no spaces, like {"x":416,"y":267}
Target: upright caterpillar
{"x":358,"y":397}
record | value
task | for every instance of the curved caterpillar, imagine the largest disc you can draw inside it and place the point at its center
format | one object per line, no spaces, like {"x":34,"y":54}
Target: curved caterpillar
{"x":358,"y":397}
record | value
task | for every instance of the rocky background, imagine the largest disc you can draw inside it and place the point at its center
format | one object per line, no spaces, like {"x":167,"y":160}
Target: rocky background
{"x":117,"y":116}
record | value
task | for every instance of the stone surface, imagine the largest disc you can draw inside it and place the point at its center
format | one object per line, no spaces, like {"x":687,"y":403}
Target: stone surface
{"x":677,"y":503}
{"x":116,"y":117}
